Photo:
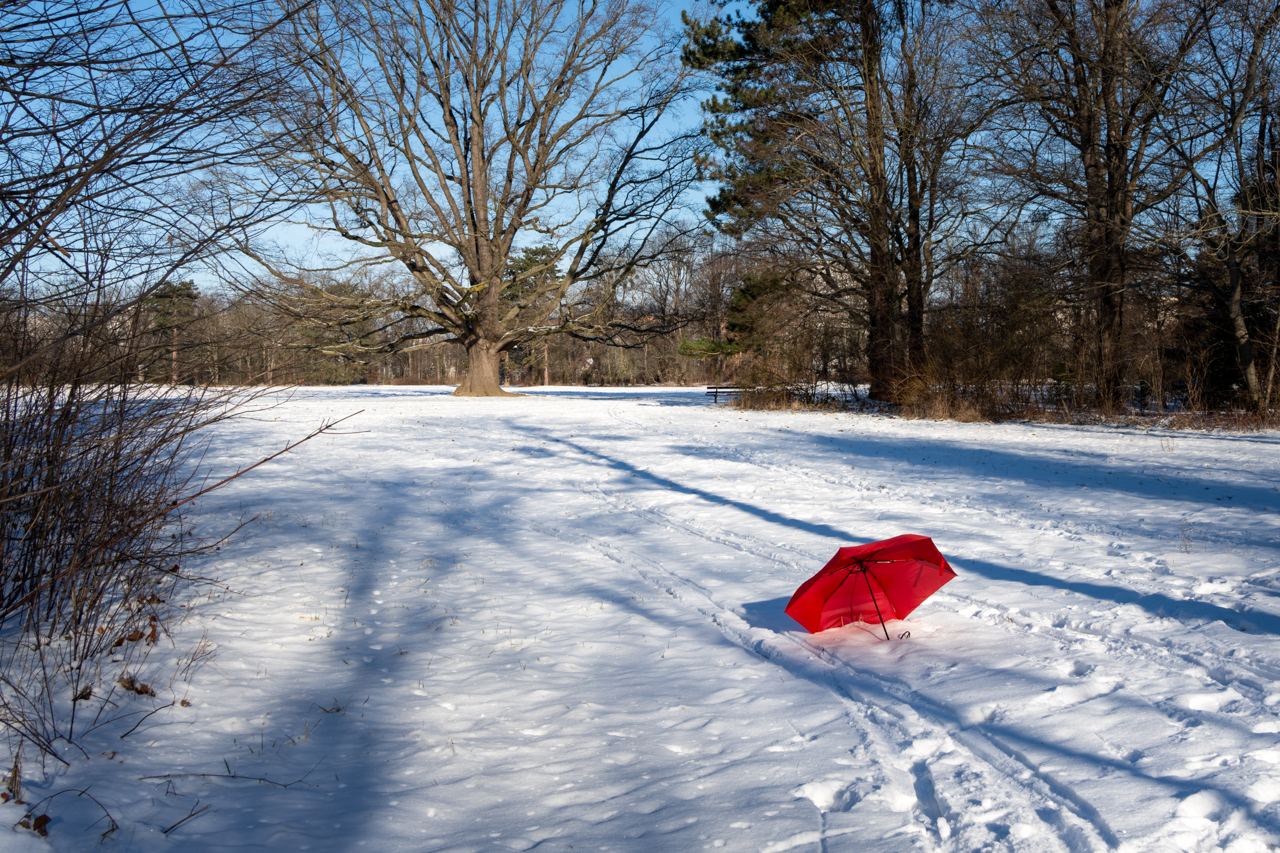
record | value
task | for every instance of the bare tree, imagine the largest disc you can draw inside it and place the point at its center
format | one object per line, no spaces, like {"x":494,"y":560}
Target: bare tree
{"x":109,"y":111}
{"x":111,"y":116}
{"x":444,"y":137}
{"x":1099,"y":98}
{"x":1229,"y":212}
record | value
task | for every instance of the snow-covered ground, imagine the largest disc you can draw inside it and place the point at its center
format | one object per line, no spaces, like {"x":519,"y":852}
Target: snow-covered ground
{"x":556,"y":623}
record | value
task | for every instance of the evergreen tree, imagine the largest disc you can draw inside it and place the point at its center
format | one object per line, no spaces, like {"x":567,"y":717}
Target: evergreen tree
{"x":840,"y":127}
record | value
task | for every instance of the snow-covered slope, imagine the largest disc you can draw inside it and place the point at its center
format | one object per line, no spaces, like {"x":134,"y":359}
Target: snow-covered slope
{"x":556,"y":623}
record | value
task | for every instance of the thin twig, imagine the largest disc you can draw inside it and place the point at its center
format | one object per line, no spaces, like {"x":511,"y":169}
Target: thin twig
{"x":233,"y":775}
{"x":187,"y":818}
{"x":262,"y":779}
{"x":79,"y":793}
{"x":162,"y":513}
{"x":144,"y":719}
{"x":324,"y":429}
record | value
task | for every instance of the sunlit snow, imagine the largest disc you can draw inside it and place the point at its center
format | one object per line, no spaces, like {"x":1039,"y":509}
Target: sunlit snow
{"x":556,"y":623}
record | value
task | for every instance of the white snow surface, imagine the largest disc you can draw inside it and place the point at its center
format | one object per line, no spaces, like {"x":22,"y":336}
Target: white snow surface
{"x":556,"y":623}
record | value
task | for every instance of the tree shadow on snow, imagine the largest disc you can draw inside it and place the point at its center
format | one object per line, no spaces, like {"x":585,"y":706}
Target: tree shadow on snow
{"x":1244,"y":619}
{"x":655,"y":396}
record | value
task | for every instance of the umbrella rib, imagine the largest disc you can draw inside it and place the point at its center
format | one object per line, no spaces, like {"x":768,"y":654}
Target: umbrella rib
{"x":861,"y":566}
{"x":836,"y":588}
{"x":866,"y":570}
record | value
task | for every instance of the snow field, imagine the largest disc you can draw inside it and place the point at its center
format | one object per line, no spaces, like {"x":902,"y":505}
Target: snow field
{"x":557,"y":621}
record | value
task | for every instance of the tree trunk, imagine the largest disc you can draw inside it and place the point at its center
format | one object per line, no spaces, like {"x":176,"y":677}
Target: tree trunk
{"x":1111,"y":347}
{"x":1229,"y":303}
{"x":1107,"y":273}
{"x":913,"y":260}
{"x":914,"y":361}
{"x":880,"y":344}
{"x":881,"y":285}
{"x":1271,"y":367}
{"x":482,"y":380}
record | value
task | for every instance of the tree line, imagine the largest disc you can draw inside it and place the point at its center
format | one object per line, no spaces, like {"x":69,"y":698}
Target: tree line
{"x":1032,"y":193}
{"x":1006,"y":203}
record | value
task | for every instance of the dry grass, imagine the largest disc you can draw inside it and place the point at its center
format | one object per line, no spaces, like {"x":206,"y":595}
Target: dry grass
{"x":943,"y":407}
{"x":1227,"y":421}
{"x":800,"y":397}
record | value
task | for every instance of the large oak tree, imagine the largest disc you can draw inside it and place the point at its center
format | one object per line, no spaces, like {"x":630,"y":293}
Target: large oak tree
{"x":446,"y":137}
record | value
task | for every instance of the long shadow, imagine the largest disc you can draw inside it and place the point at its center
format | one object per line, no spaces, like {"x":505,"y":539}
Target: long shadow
{"x":1049,"y":475}
{"x":711,"y":497}
{"x":380,"y":392}
{"x":1244,"y":619}
{"x":1052,"y":469}
{"x":658,"y":396}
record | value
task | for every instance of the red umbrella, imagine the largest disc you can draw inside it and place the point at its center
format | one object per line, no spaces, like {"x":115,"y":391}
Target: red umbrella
{"x":871,"y":583}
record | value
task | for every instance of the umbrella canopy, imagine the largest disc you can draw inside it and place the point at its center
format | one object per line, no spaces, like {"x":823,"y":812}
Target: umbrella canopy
{"x":871,"y":583}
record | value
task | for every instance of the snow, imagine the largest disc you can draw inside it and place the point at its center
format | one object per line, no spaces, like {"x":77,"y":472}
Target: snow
{"x":556,"y":623}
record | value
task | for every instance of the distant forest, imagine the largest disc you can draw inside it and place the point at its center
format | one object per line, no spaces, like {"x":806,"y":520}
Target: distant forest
{"x":1002,"y":205}
{"x":970,"y":209}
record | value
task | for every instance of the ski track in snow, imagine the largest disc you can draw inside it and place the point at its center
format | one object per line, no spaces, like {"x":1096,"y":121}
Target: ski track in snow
{"x":557,"y":623}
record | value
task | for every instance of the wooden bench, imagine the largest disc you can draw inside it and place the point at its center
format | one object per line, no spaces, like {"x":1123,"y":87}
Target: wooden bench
{"x":714,"y":391}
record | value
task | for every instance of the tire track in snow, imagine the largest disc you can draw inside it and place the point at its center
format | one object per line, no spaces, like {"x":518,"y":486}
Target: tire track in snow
{"x":1073,"y":822}
{"x":988,"y":743}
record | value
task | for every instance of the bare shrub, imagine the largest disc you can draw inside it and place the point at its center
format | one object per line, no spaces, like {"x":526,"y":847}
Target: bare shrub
{"x":921,"y":399}
{"x":92,"y":466}
{"x":115,"y":124}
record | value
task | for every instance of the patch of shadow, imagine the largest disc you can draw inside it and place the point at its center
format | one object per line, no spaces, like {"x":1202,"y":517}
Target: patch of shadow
{"x":769,"y":614}
{"x":1246,"y":620}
